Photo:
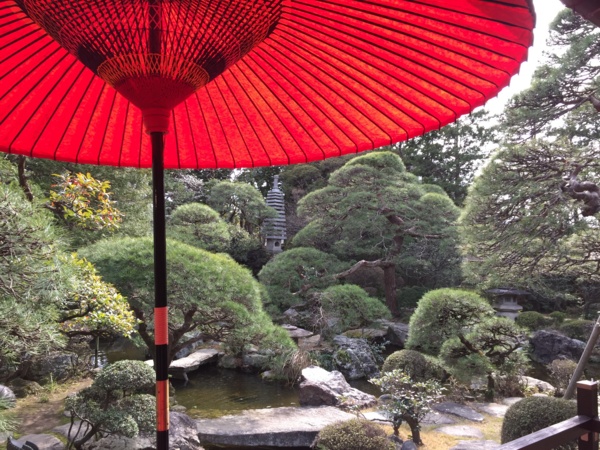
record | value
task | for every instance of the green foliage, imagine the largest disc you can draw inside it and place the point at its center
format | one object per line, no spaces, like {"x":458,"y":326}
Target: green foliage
{"x":352,"y":306}
{"x":116,"y":402}
{"x":93,"y":306}
{"x":83,"y":201}
{"x":200,"y":226}
{"x":408,"y":297}
{"x":7,"y":423}
{"x":534,"y":413}
{"x":240,"y":204}
{"x":558,"y":317}
{"x":410,"y":400}
{"x":354,"y":434}
{"x":577,"y":329}
{"x":561,"y":371}
{"x":532,"y":320}
{"x":290,"y":275}
{"x":449,"y":157}
{"x":208,"y":293}
{"x":444,"y":313}
{"x":416,"y":365}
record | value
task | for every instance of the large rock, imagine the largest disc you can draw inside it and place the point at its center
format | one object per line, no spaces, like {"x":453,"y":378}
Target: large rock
{"x":55,"y":365}
{"x":542,"y":387}
{"x":397,"y":333}
{"x":43,"y":441}
{"x":354,"y":358}
{"x":8,"y":395}
{"x":320,"y":387}
{"x":182,"y":436}
{"x":459,"y":410}
{"x":274,"y":427}
{"x":546,"y":346}
{"x":22,"y":388}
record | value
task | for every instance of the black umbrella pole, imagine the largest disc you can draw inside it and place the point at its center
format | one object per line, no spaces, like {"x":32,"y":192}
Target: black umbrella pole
{"x":161,"y":317}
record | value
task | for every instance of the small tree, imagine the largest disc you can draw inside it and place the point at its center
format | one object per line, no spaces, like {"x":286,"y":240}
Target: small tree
{"x":410,"y":400}
{"x":116,"y":403}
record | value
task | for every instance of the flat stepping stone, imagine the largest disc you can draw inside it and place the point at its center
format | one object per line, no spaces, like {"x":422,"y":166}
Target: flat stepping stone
{"x":461,"y":430}
{"x":76,"y":431}
{"x":492,"y":409}
{"x":459,"y":410}
{"x":43,"y":441}
{"x":476,"y":445}
{"x":180,"y":367}
{"x":273,"y":427}
{"x":435,"y":418}
{"x":378,"y":417}
{"x":297,"y":333}
{"x":509,"y":401}
{"x":366,"y":333}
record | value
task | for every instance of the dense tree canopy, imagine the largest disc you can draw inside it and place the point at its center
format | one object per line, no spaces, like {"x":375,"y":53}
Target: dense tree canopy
{"x":210,"y":295}
{"x":374,"y":213}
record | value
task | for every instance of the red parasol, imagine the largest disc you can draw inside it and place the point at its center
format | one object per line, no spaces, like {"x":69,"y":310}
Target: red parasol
{"x":242,"y":84}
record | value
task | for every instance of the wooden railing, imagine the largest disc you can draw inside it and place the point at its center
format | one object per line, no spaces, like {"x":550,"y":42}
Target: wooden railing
{"x":584,"y":427}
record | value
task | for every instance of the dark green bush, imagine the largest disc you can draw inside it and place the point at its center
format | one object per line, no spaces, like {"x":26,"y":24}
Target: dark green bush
{"x":355,"y":434}
{"x":532,"y":320}
{"x":408,"y":297}
{"x":534,"y":413}
{"x":577,"y":329}
{"x":558,"y":317}
{"x":416,"y":365}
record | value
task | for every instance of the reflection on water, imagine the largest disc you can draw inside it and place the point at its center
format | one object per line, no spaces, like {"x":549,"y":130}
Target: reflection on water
{"x":213,"y":392}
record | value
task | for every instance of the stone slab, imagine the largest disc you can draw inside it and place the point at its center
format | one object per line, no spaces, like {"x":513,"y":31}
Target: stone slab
{"x":274,"y":427}
{"x":435,"y":418}
{"x":76,"y":431}
{"x":476,"y":445}
{"x":459,"y":410}
{"x":509,"y":401}
{"x":461,"y":430}
{"x":43,"y":441}
{"x":492,"y":409}
{"x":180,"y":367}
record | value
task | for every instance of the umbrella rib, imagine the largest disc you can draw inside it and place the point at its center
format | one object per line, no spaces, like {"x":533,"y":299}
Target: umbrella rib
{"x":373,"y":104}
{"x":225,"y":134}
{"x":307,"y":98}
{"x":226,"y":103}
{"x":124,"y":134}
{"x":292,"y":135}
{"x":89,"y":122}
{"x":235,"y":98}
{"x":28,"y":74}
{"x":339,"y":96}
{"x":187,"y":111}
{"x":415,"y":61}
{"x":216,"y":158}
{"x":101,"y":147}
{"x":72,"y":117}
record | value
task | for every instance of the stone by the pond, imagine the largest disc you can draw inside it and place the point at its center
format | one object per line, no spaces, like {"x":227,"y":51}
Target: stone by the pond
{"x":476,"y":445}
{"x":435,"y":418}
{"x":22,"y":388}
{"x":366,"y":333}
{"x":509,"y":401}
{"x":378,"y":417}
{"x":492,"y":409}
{"x":409,"y":445}
{"x":181,"y":367}
{"x":397,"y":333}
{"x":354,"y":358}
{"x":76,"y":432}
{"x":320,"y":387}
{"x":461,"y":430}
{"x":55,"y":365}
{"x":546,"y":346}
{"x":295,"y":332}
{"x":275,"y":427}
{"x":459,"y":410}
{"x":43,"y":441}
{"x":541,"y":386}
{"x":8,"y":395}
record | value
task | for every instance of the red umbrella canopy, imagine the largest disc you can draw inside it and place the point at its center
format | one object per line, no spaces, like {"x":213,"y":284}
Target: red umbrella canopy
{"x":246,"y":83}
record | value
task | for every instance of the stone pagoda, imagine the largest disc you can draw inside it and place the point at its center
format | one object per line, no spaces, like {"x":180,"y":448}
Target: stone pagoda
{"x":274,"y":228}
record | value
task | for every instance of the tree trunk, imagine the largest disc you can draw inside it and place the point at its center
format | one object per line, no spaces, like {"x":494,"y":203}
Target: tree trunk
{"x":21,"y":161}
{"x":415,"y":429}
{"x":389,"y":279}
{"x":491,"y":387}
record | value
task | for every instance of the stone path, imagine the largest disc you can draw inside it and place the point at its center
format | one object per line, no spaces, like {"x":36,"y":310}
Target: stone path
{"x":273,"y":427}
{"x":182,"y":366}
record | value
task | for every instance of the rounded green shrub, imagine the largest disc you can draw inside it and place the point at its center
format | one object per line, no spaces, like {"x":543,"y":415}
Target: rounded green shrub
{"x":577,"y":329}
{"x":354,"y":434}
{"x":534,"y":413}
{"x":415,"y":364}
{"x":532,"y":320}
{"x":558,"y":317}
{"x":126,"y":375}
{"x":352,"y":306}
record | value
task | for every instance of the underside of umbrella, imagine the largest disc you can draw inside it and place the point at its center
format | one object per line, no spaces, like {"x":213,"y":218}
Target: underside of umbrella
{"x":226,"y":84}
{"x":327,"y":78}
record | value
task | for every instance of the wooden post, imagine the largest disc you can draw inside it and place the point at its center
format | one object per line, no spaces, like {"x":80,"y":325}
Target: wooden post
{"x":587,"y":405}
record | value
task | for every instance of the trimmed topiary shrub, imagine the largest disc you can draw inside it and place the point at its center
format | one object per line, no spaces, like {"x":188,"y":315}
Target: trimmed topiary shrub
{"x":534,"y":413}
{"x":355,"y":434}
{"x":532,"y":320}
{"x":558,"y":317}
{"x":577,"y":329}
{"x":418,"y":366}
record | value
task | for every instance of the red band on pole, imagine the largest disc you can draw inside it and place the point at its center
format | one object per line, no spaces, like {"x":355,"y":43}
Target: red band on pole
{"x":162,"y":405}
{"x":161,"y":325}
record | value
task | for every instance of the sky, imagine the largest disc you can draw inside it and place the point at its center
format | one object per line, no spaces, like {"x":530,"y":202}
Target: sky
{"x":546,"y":11}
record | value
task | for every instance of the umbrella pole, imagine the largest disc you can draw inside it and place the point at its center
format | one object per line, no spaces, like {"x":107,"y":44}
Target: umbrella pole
{"x":161,"y":318}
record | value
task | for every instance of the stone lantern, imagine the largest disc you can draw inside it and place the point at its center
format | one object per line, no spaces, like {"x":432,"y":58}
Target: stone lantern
{"x":506,"y":301}
{"x":274,"y":228}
